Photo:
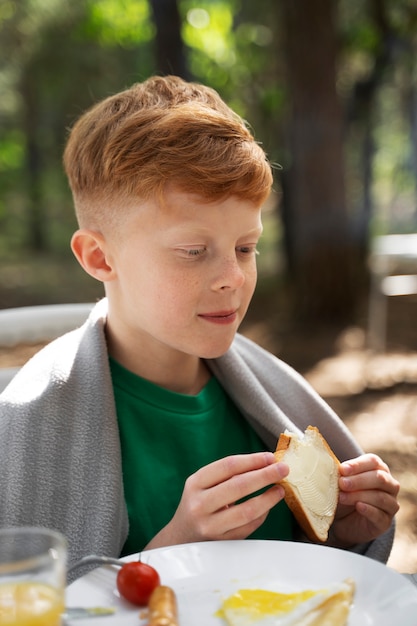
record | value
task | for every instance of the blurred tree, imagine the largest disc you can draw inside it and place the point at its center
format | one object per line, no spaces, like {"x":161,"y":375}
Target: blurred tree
{"x":362,"y":107}
{"x":169,"y":46}
{"x":321,"y":251}
{"x":377,"y":77}
{"x":65,"y":57}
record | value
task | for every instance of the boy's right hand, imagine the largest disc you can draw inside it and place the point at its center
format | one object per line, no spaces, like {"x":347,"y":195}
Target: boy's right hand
{"x":210,"y":507}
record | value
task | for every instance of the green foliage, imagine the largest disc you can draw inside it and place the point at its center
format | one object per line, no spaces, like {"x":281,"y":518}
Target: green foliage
{"x":119,"y":22}
{"x":61,"y":57}
{"x":11,"y":151}
{"x":207,"y":31}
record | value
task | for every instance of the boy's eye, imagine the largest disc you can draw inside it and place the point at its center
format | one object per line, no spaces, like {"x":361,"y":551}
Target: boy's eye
{"x":246,"y":250}
{"x":199,"y":251}
{"x":192,"y":252}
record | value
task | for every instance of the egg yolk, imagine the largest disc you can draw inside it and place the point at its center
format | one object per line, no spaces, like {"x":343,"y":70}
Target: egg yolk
{"x":257,"y":602}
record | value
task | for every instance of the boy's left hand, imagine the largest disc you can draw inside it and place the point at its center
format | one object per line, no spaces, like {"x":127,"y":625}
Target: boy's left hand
{"x":367,"y":501}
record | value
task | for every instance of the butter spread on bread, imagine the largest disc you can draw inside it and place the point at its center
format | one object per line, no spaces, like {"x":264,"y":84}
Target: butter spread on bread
{"x":312,"y":485}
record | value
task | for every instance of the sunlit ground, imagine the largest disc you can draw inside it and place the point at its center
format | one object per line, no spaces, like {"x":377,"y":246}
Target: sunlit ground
{"x":377,"y":397}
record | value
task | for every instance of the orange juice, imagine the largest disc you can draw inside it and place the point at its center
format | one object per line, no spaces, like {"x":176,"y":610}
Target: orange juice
{"x":30,"y":604}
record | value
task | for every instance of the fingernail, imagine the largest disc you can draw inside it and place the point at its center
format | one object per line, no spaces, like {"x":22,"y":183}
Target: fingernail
{"x":283,"y":469}
{"x":346,"y":483}
{"x":347,"y":468}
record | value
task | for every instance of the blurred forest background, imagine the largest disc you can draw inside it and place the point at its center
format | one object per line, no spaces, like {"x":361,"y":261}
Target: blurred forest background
{"x":330,"y":90}
{"x":328,"y":86}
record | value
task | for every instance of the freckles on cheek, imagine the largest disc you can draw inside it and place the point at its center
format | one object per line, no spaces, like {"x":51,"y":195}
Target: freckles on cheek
{"x":169,"y":292}
{"x":178,"y":298}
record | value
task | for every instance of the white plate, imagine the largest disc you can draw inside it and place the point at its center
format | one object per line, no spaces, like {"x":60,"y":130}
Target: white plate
{"x":202,"y":574}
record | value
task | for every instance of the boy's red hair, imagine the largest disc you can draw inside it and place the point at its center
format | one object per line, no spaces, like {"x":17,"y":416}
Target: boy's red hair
{"x":162,"y":131}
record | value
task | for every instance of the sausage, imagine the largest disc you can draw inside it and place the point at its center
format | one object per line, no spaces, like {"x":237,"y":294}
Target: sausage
{"x":162,"y":607}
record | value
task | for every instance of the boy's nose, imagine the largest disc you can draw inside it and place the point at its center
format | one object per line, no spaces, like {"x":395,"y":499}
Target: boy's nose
{"x":230,"y":275}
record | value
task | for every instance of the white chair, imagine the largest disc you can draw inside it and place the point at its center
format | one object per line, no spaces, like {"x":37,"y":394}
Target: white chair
{"x":393,"y":263}
{"x":33,"y":324}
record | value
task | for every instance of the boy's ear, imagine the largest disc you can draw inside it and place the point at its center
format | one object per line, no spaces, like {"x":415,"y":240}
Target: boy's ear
{"x":90,"y":250}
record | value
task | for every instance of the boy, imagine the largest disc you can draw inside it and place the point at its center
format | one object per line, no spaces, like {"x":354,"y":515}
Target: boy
{"x":154,"y":423}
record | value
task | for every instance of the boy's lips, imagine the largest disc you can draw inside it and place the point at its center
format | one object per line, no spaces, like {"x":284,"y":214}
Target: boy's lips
{"x":220,"y":317}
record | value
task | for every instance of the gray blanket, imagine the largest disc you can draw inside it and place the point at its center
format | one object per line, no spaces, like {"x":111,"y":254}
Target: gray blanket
{"x":60,"y":459}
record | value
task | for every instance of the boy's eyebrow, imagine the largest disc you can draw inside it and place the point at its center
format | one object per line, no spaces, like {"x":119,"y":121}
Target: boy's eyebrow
{"x":192,"y":227}
{"x":189,"y":231}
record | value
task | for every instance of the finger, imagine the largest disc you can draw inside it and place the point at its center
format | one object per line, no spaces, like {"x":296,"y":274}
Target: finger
{"x":242,"y":532}
{"x":250,"y":512}
{"x":364,"y":524}
{"x":378,"y":480}
{"x":363,"y":463}
{"x":377,"y":519}
{"x":243,"y":485}
{"x":219,"y":471}
{"x":378,"y":500}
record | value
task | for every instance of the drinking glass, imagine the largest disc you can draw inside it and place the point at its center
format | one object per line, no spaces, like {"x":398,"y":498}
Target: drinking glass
{"x":32,"y":576}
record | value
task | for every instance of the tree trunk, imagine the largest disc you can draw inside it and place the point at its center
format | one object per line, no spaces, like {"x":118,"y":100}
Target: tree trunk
{"x":362,"y":114}
{"x":319,"y":239}
{"x":170,"y":57}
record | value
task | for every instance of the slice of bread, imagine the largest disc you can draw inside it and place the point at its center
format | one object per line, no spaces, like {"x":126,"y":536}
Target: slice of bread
{"x":312,"y":485}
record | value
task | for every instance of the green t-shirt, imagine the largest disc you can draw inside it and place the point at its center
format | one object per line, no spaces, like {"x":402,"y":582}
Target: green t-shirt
{"x":166,"y":437}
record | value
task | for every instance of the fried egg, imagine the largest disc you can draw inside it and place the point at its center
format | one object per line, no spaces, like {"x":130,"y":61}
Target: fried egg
{"x":259,"y":607}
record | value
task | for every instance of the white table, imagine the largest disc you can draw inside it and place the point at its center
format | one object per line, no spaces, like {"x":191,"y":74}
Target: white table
{"x":393,"y":267}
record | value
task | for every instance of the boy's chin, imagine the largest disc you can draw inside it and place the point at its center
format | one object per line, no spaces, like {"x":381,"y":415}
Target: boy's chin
{"x":215,"y":352}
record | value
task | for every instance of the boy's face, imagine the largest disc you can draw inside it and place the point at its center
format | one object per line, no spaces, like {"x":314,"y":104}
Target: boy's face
{"x":183,"y":275}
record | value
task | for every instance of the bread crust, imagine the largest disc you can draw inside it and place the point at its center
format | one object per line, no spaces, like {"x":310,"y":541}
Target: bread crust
{"x":291,"y":498}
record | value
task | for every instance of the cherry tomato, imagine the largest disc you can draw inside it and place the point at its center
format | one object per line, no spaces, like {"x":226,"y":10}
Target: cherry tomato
{"x":136,"y":581}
